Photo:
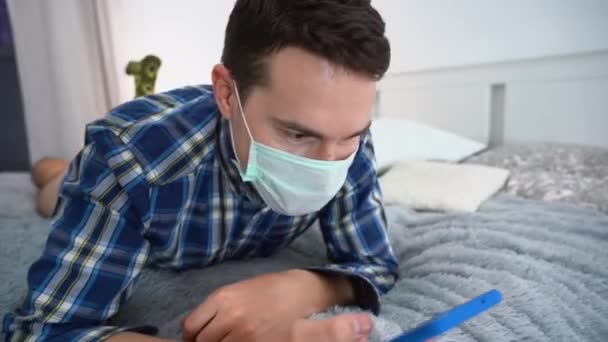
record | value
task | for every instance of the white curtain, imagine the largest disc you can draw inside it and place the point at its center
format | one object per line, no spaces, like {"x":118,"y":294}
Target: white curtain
{"x":61,"y":70}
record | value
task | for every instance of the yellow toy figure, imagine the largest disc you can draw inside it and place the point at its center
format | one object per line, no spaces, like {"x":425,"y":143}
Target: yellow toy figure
{"x":145,"y":73}
{"x":48,"y":173}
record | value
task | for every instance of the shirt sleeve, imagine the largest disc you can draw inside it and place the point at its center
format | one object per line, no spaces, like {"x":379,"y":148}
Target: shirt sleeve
{"x":94,"y":252}
{"x":354,"y":229}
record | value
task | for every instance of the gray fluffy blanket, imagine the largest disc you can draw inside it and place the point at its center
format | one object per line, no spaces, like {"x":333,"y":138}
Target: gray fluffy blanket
{"x":549,"y":260}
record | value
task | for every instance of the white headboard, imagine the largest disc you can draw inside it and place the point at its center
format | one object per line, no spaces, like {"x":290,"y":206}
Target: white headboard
{"x":563,"y":99}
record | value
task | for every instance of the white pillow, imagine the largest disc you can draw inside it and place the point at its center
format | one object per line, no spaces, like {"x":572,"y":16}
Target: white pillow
{"x":398,"y":140}
{"x":441,"y":186}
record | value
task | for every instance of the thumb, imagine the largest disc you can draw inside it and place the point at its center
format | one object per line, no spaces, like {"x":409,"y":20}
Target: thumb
{"x":342,"y":328}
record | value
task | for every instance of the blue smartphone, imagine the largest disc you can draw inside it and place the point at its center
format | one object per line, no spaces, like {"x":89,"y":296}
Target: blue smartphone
{"x":451,"y":318}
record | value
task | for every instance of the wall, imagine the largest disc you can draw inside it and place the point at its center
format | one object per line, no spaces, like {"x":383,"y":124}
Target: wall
{"x":430,"y":34}
{"x":425,"y":34}
{"x":188,"y":37}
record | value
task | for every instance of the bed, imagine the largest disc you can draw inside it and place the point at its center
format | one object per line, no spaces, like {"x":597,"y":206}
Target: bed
{"x":553,"y":172}
{"x":542,"y":241}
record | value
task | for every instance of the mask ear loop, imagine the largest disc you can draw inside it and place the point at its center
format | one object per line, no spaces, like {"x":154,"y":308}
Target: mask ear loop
{"x":238,"y":100}
{"x":251,"y":173}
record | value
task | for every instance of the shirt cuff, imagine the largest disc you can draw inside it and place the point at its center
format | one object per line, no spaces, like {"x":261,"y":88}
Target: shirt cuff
{"x":365,"y":293}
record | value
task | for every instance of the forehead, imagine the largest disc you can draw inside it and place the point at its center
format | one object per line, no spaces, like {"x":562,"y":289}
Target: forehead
{"x":311,"y":91}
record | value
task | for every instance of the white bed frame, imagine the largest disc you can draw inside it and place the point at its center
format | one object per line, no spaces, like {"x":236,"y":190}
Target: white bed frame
{"x":558,"y":99}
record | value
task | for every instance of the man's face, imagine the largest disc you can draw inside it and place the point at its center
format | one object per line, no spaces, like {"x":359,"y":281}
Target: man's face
{"x":310,"y":108}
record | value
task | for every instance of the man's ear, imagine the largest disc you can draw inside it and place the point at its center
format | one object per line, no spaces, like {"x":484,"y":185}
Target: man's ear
{"x":223,"y":89}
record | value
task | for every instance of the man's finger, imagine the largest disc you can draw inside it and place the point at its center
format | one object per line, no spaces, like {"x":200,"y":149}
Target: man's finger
{"x":216,"y":330}
{"x":342,"y":328}
{"x":197,"y":320}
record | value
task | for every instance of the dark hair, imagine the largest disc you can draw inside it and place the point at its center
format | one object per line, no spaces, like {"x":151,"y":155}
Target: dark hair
{"x":348,"y":33}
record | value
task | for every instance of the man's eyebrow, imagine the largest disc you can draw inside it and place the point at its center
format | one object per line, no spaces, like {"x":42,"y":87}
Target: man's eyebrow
{"x":294,"y":126}
{"x":361,"y":132}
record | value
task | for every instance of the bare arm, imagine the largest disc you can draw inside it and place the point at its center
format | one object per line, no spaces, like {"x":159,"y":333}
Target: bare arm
{"x":134,"y":337}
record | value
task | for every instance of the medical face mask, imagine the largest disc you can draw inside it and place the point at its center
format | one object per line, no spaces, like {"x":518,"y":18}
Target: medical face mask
{"x":290,"y":184}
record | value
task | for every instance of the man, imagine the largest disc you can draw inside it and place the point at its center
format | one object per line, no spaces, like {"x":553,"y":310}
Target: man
{"x":200,"y":175}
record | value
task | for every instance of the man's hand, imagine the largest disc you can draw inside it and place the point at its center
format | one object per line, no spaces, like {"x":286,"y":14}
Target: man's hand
{"x":342,"y":328}
{"x":272,"y":307}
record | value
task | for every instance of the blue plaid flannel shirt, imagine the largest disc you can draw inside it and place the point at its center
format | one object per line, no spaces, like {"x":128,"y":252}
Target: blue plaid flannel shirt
{"x":155,"y":185}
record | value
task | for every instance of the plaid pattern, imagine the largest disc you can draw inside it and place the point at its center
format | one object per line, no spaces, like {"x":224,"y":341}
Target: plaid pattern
{"x":155,"y":184}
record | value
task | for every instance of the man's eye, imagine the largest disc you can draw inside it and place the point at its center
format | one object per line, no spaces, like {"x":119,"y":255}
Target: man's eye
{"x":295,"y":135}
